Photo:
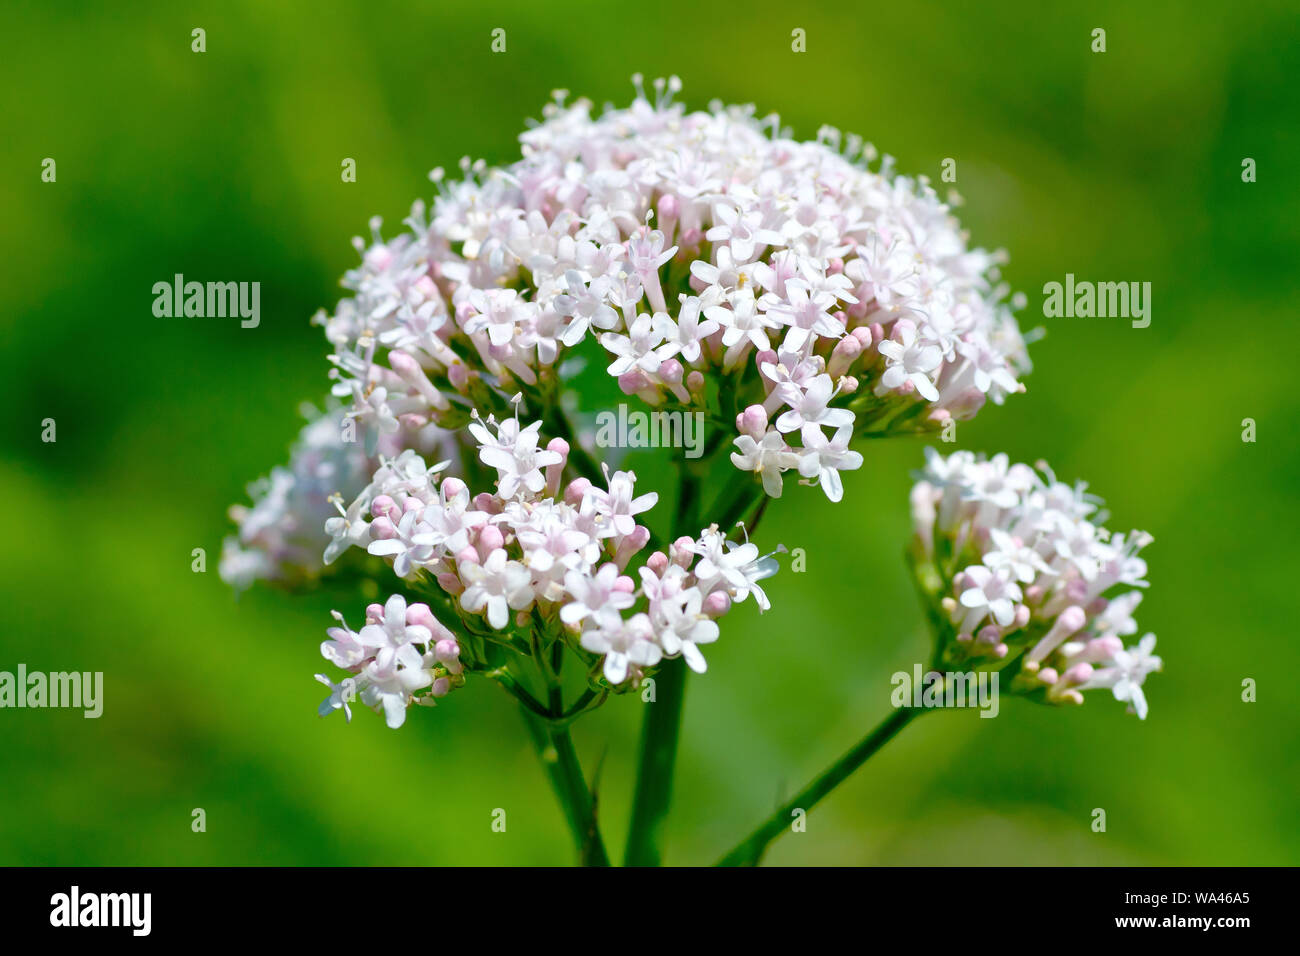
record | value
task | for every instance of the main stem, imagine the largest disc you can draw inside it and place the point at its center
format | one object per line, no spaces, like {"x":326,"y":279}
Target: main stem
{"x":662,"y":726}
{"x":751,"y":849}
{"x":560,"y":760}
{"x":654,"y":783}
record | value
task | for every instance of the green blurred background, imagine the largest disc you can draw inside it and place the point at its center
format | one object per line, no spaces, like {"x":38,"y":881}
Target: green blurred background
{"x":1122,"y":166}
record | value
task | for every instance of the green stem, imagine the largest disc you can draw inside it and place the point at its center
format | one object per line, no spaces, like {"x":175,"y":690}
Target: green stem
{"x":661,"y":727}
{"x":560,"y":761}
{"x":750,"y":850}
{"x":654,"y":781}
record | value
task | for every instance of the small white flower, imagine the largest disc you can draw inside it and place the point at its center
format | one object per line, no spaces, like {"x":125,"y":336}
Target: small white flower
{"x":625,"y":644}
{"x":393,"y":638}
{"x":742,"y":231}
{"x":594,"y":595}
{"x":768,"y":458}
{"x":812,"y":407}
{"x":1022,"y":562}
{"x":341,"y":696}
{"x":808,"y":316}
{"x":910,"y":359}
{"x":499,"y":585}
{"x":347,"y":649}
{"x":824,"y":458}
{"x":989,"y":592}
{"x":348,"y":529}
{"x":513,"y":452}
{"x":587,"y":306}
{"x":640,"y":348}
{"x":686,"y":334}
{"x":1126,"y":672}
{"x":498,"y":313}
{"x":683,"y":627}
{"x":617,"y":508}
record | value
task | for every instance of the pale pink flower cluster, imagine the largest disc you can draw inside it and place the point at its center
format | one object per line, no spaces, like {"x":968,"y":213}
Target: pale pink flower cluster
{"x":827,"y":299}
{"x":1025,"y":573}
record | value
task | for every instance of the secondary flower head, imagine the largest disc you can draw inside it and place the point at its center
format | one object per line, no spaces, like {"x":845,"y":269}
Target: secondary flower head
{"x":1020,"y":579}
{"x":533,"y":558}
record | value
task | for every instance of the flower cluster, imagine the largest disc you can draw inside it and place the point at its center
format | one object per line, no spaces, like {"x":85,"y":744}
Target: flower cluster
{"x":281,"y":536}
{"x":400,"y":651}
{"x":710,"y":261}
{"x":537,"y":556}
{"x":285,"y":535}
{"x":1019,"y":573}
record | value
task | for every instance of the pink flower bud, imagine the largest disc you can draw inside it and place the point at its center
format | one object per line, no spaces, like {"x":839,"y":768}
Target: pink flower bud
{"x":489,"y":539}
{"x":717,"y":604}
{"x":574,"y":493}
{"x":1067,"y":622}
{"x":406,"y":367}
{"x":752,"y":421}
{"x":877,"y":334}
{"x":458,"y":375}
{"x":555,"y":473}
{"x":844,"y":354}
{"x":419,"y":615}
{"x":630,"y":545}
{"x":1079,"y":673}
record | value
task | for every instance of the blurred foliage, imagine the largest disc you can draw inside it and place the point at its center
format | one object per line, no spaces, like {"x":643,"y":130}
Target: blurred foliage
{"x":1122,"y":166}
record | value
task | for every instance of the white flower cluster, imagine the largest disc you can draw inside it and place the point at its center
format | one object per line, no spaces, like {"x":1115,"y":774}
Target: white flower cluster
{"x":533,"y":555}
{"x":402,"y":649}
{"x":1019,"y":562}
{"x":714,"y":260}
